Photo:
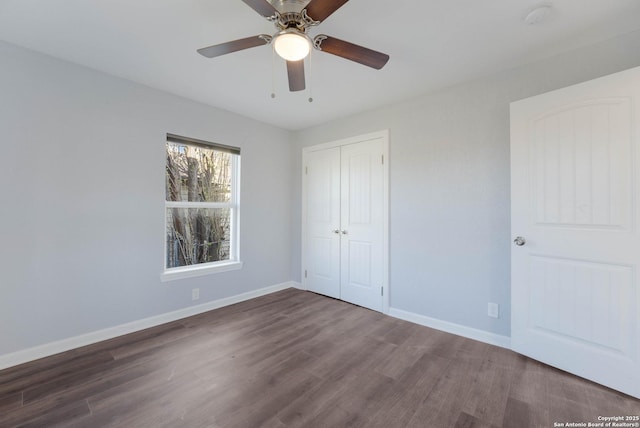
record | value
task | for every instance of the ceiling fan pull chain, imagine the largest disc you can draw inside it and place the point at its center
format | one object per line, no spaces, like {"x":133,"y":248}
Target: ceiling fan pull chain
{"x":273,"y":66}
{"x":310,"y":77}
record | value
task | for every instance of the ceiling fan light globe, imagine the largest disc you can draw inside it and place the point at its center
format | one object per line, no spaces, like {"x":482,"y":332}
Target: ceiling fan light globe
{"x":292,"y":46}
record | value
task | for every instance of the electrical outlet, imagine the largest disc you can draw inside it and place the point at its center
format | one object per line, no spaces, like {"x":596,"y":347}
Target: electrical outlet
{"x":493,"y":310}
{"x":195,"y":294}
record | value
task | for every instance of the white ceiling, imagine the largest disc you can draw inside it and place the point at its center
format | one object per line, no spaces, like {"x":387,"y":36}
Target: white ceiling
{"x":432,"y":44}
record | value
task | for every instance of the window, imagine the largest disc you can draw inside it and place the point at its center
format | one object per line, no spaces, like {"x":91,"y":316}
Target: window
{"x":201,"y":207}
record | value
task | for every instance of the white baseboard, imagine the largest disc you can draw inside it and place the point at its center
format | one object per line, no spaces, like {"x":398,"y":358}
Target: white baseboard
{"x":298,"y":285}
{"x":48,"y":349}
{"x":449,"y":327}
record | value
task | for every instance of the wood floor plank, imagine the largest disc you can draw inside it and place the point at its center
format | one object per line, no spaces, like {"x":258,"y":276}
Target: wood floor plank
{"x":489,"y":393}
{"x":563,"y":410}
{"x":52,"y":417}
{"x":10,"y":401}
{"x":466,"y":420}
{"x":399,"y":334}
{"x":300,"y":411}
{"x":397,"y":362}
{"x":447,"y":345}
{"x":152,"y":342}
{"x":448,"y":396}
{"x":236,"y":397}
{"x":266,"y":407}
{"x":350,"y":360}
{"x":151,"y":397}
{"x":473,"y":350}
{"x":296,"y":359}
{"x":51,"y":373}
{"x":519,"y":414}
{"x":610,"y":402}
{"x":95,"y":377}
{"x":410,"y":392}
{"x":365,"y":394}
{"x":529,"y":386}
{"x":149,"y":401}
{"x":424,"y":337}
{"x":336,"y":416}
{"x":561,"y":384}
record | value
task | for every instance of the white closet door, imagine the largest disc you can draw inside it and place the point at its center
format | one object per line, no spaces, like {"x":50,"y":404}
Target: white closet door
{"x":322,"y":181}
{"x":361,"y":248}
{"x":345,"y":205}
{"x":574,"y":179}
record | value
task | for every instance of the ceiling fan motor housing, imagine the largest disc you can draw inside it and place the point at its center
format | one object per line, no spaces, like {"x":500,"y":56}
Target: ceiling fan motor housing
{"x":299,"y":20}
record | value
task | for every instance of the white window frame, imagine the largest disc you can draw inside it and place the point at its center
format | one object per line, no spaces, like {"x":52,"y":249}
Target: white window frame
{"x":234,"y":262}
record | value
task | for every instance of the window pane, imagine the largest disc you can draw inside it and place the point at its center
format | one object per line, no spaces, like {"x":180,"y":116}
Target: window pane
{"x":197,"y":235}
{"x":197,"y":174}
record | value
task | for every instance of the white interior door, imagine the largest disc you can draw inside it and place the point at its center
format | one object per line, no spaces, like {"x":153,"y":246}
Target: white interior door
{"x":344,"y":220}
{"x":322,"y":185}
{"x":361,"y":214}
{"x":574,"y":183}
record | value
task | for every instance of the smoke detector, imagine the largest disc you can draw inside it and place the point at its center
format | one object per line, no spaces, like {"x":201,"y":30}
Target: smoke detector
{"x":538,"y":14}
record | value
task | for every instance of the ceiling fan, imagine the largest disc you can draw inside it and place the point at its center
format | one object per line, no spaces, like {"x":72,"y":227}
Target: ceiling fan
{"x":293,"y":18}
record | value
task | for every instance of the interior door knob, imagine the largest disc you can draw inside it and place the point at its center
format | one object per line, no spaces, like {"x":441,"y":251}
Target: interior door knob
{"x":519,"y":241}
{"x":336,"y":231}
{"x":344,"y":232}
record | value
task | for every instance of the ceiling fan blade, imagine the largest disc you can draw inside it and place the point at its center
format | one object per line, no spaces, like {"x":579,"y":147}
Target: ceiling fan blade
{"x":236,"y":45}
{"x":295,"y":70}
{"x":351,"y":51}
{"x":263,"y":7}
{"x":319,"y":10}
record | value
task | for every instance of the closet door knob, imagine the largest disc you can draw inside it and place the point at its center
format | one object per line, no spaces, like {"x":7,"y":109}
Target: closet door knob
{"x":336,"y":231}
{"x":344,"y":232}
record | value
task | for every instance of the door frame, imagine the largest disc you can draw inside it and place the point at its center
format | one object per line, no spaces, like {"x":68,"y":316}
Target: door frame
{"x":384,"y":135}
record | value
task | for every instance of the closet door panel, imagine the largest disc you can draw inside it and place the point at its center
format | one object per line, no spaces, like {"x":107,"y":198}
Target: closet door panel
{"x":361,"y":219}
{"x":322,"y":175}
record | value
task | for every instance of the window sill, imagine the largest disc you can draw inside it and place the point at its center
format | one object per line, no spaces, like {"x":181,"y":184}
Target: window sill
{"x":193,"y":271}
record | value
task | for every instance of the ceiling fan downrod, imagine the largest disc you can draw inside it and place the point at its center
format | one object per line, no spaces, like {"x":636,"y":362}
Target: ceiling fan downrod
{"x":299,"y":20}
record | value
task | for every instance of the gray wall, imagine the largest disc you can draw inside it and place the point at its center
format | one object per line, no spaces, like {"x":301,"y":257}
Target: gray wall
{"x":82,"y":218}
{"x":449,"y":175}
{"x":82,"y":211}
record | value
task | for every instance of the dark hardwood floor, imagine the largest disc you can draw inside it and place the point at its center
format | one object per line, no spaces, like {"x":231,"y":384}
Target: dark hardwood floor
{"x":296,"y":359}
